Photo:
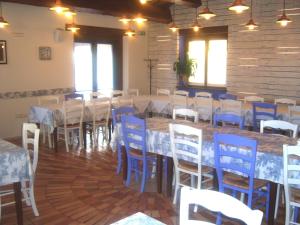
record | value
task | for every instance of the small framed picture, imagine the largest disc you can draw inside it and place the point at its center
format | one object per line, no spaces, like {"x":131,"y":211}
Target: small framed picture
{"x":45,"y":53}
{"x":3,"y":52}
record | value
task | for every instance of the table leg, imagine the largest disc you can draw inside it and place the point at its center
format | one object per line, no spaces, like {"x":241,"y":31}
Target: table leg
{"x":170,"y":166}
{"x":215,"y":180}
{"x":273,"y":192}
{"x":18,"y":199}
{"x":159,"y":172}
{"x":109,"y":129}
{"x":84,"y":134}
{"x":55,"y":141}
{"x":124,"y":163}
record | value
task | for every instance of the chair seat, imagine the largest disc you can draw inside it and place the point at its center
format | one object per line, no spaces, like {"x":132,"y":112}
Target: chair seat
{"x":295,"y":195}
{"x":242,"y":182}
{"x":193,"y":167}
{"x":139,"y":153}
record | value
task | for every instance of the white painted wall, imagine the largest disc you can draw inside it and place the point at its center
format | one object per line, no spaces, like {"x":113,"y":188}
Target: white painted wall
{"x":31,"y":27}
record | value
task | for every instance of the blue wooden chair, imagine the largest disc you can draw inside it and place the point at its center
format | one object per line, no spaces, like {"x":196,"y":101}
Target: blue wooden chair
{"x":134,"y":137}
{"x":116,"y":118}
{"x":74,"y":96}
{"x":263,"y":111}
{"x":227,"y":96}
{"x":229,"y":118}
{"x":235,"y":158}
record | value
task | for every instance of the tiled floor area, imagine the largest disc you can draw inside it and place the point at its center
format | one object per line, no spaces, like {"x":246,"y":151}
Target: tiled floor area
{"x":81,"y":187}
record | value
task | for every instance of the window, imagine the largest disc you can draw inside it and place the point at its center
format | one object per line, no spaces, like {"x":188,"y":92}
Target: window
{"x":209,"y":49}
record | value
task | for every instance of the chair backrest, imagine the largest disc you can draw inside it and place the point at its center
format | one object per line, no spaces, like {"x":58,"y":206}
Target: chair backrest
{"x":216,"y":202}
{"x":186,"y":144}
{"x":181,"y":92}
{"x":204,"y":108}
{"x":236,"y":154}
{"x":203,"y":94}
{"x":294,"y":114}
{"x":231,"y":106}
{"x":94,"y":95}
{"x":285,"y":101}
{"x":73,"y":110}
{"x":253,"y":99}
{"x":263,"y":111}
{"x":279,"y":124}
{"x":186,"y":114}
{"x":117,"y":112}
{"x":227,"y":96}
{"x":47,"y":100}
{"x":101,"y":109}
{"x":74,"y":96}
{"x":30,"y":141}
{"x":134,"y":133}
{"x":117,"y":93}
{"x":163,"y":92}
{"x":229,"y":118}
{"x":291,"y":170}
{"x":133,"y":92}
{"x":179,"y":101}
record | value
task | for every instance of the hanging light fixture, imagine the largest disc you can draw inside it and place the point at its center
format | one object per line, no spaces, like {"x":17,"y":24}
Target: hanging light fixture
{"x":73,"y":27}
{"x":3,"y":22}
{"x":196,"y":26}
{"x":238,"y":6}
{"x":130,"y":32}
{"x":251,"y":25}
{"x":69,"y":13}
{"x":58,"y":7}
{"x":172,"y":25}
{"x":139,"y":19}
{"x":125,"y":20}
{"x":143,"y":2}
{"x":283,"y":20}
{"x":206,"y":13}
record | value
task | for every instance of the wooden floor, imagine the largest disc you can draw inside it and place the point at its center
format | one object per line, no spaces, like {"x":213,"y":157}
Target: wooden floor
{"x":81,"y":187}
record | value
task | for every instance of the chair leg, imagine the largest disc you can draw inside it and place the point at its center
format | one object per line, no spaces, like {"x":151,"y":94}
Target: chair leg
{"x":242,"y":199}
{"x":25,"y":193}
{"x":94,"y":136}
{"x":32,"y":200}
{"x":176,"y":187}
{"x":80,"y":138}
{"x":129,"y":162}
{"x":67,"y":140}
{"x":268,"y":201}
{"x":277,"y":201}
{"x":119,"y":152}
{"x":144,"y":176}
{"x":287,"y":213}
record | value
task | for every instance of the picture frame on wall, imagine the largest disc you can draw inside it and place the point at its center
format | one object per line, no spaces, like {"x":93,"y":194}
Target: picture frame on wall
{"x":3,"y":52}
{"x":45,"y":53}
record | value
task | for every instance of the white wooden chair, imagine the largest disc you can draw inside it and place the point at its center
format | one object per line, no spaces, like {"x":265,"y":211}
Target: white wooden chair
{"x":294,"y":114}
{"x":124,"y":101}
{"x":30,"y":141}
{"x":133,"y":92}
{"x":163,"y":92}
{"x":231,"y":106}
{"x":291,"y":170}
{"x":179,"y":101}
{"x":203,"y":94}
{"x":101,"y":109}
{"x":117,"y":93}
{"x":204,"y":108}
{"x":181,"y":92}
{"x":192,"y":137}
{"x":282,"y":125}
{"x":73,"y":116}
{"x":94,"y":95}
{"x":185,"y":114}
{"x":285,"y":101}
{"x":253,"y":98}
{"x":46,"y":130}
{"x":216,"y":202}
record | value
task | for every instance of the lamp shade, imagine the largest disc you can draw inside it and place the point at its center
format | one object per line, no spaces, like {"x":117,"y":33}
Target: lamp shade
{"x":238,"y":6}
{"x":206,"y":13}
{"x":283,"y":20}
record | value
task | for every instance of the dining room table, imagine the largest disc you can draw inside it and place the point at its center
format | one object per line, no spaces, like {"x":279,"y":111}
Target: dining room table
{"x":14,"y":168}
{"x":269,"y":160}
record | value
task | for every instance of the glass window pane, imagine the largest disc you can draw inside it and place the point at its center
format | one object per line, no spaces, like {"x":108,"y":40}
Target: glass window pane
{"x":104,"y":66}
{"x":217,"y":63}
{"x":83,"y":67}
{"x":197,"y":52}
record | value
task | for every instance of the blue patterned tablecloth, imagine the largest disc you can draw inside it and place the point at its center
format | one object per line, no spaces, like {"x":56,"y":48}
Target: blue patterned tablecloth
{"x":138,"y":219}
{"x":14,"y":163}
{"x":269,"y":164}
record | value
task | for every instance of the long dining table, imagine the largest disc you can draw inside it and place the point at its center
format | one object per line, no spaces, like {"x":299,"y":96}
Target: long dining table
{"x":269,"y":162}
{"x":52,"y":115}
{"x":14,"y":167}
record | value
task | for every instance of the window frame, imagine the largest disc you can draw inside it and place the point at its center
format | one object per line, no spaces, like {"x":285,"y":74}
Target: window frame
{"x":206,"y":34}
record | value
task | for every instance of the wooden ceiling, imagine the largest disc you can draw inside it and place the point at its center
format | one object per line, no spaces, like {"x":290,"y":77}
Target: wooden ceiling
{"x":155,"y":10}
